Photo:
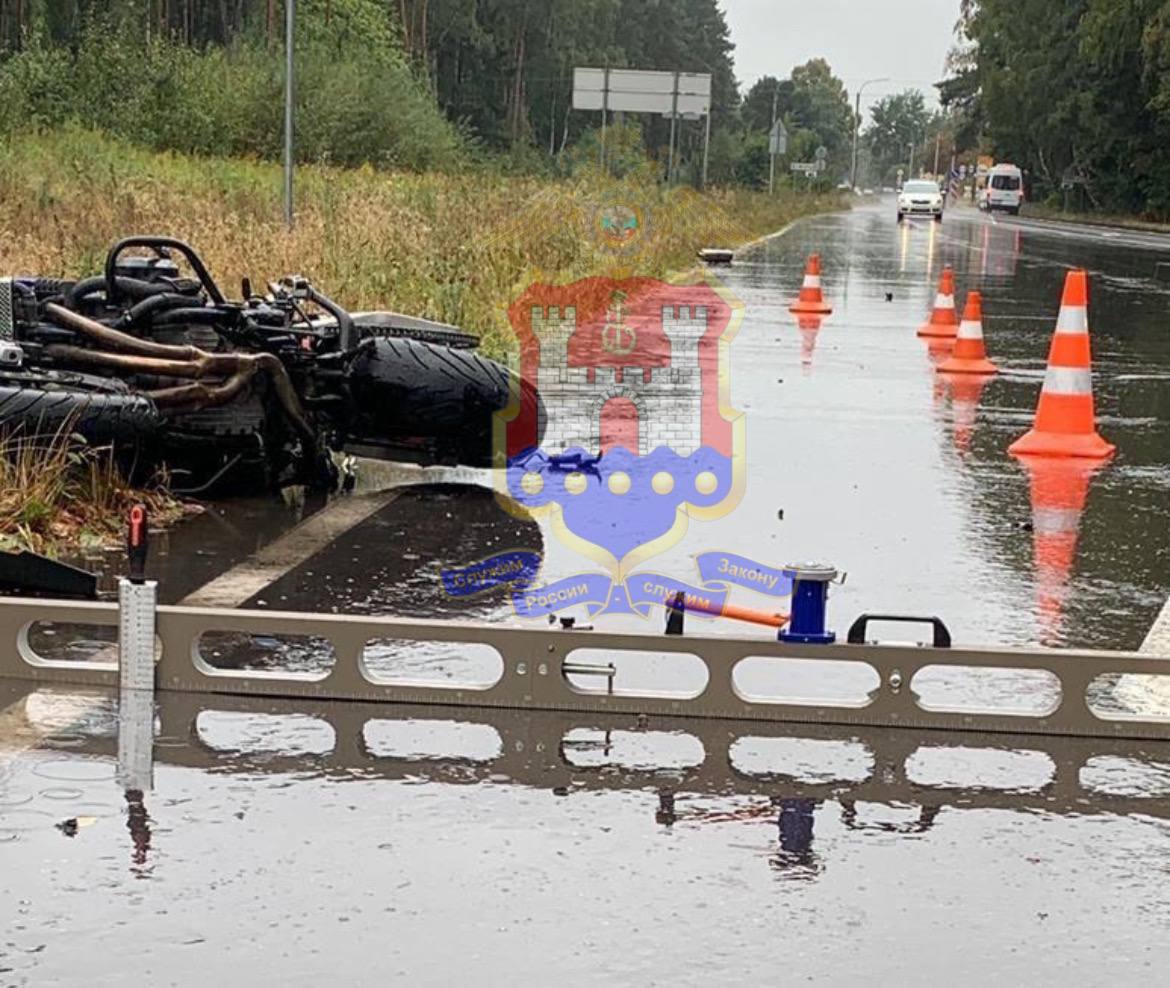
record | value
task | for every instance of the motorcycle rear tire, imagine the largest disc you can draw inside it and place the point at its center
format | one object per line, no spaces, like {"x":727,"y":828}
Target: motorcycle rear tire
{"x":407,"y":391}
{"x":100,"y":417}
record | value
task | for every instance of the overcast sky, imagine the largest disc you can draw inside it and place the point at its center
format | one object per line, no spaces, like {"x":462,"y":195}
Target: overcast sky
{"x":905,"y":40}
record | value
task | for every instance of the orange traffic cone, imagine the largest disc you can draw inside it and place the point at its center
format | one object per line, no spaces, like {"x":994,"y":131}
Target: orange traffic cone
{"x":1065,"y":420}
{"x":943,"y":321}
{"x":812,"y":299}
{"x":1059,"y":489}
{"x":810,"y":327}
{"x":970,"y":356}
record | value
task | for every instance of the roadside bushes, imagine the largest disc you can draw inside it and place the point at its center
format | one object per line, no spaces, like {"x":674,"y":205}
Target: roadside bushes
{"x":357,"y":101}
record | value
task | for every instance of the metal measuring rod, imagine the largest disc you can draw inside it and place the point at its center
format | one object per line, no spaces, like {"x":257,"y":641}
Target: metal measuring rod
{"x":137,"y":601}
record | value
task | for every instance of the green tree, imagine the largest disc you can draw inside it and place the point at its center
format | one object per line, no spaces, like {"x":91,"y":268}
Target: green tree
{"x":897,"y":121}
{"x":413,"y":83}
{"x":819,"y":103}
{"x":756,"y":111}
{"x":1072,"y":92}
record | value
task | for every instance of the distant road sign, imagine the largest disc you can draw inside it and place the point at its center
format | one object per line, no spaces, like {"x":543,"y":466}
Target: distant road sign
{"x":807,"y":167}
{"x":821,"y":153}
{"x":675,"y":95}
{"x":638,"y":91}
{"x":778,"y":139}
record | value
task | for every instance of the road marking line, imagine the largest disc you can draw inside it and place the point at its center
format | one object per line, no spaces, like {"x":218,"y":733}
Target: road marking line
{"x":229,"y":589}
{"x":1158,"y":640}
{"x":17,"y":735}
{"x":246,"y":579}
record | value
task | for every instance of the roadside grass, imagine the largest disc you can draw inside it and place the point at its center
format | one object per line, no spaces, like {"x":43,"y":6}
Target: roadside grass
{"x":454,"y":247}
{"x":58,"y":494}
{"x":1120,"y":220}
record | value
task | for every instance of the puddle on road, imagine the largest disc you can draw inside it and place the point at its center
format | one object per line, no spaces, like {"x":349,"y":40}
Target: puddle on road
{"x":372,"y":826}
{"x":315,"y":843}
{"x":874,"y":463}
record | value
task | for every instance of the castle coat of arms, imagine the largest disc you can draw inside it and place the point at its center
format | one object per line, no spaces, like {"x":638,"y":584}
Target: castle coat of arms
{"x":637,"y":431}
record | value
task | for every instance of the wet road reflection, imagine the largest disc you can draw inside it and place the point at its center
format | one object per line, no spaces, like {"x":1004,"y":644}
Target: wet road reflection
{"x":857,"y":453}
{"x":901,"y":477}
{"x":308,"y":843}
{"x":298,"y":841}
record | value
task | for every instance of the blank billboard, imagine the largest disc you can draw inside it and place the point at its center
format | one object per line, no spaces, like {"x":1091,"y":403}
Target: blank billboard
{"x":636,"y":91}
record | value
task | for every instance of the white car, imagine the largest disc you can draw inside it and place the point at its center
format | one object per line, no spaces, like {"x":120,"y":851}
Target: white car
{"x":920,"y":197}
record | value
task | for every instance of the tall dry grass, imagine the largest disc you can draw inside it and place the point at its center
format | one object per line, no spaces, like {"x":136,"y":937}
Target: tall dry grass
{"x":458,"y":248}
{"x":58,"y":493}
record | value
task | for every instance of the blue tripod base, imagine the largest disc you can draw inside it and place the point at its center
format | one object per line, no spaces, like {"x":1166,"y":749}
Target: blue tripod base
{"x":796,"y":638}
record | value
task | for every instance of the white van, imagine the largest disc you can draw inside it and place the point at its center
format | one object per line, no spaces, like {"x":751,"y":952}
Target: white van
{"x":1004,"y":189}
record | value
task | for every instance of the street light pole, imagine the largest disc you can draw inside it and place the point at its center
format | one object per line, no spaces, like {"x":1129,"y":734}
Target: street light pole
{"x":771,"y":153}
{"x":706,"y":146}
{"x":910,"y":171}
{"x":289,"y":19}
{"x":857,"y":128}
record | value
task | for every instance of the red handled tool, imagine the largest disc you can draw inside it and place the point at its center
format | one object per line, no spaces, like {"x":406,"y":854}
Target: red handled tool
{"x":136,"y":543}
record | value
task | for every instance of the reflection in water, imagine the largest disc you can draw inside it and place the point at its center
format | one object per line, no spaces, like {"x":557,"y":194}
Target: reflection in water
{"x":342,"y":741}
{"x":966,"y":391}
{"x":391,"y":828}
{"x":810,"y":328}
{"x":939,"y":349}
{"x":918,"y":825}
{"x":1058,"y":490}
{"x":138,"y":823}
{"x":136,"y":723}
{"x":418,"y":816}
{"x":883,"y":500}
{"x":905,"y":246}
{"x":795,"y":823}
{"x":1000,"y":252}
{"x":793,"y":857}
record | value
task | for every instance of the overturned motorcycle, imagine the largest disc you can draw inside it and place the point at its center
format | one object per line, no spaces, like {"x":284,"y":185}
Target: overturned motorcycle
{"x":240,"y":394}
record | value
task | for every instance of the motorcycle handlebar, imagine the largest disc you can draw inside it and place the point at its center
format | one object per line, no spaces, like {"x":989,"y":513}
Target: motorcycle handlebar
{"x":159,"y":244}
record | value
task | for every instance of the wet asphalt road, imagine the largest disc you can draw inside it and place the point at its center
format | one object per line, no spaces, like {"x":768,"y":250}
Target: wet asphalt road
{"x":301,"y":843}
{"x":878,"y":465}
{"x":902,"y":480}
